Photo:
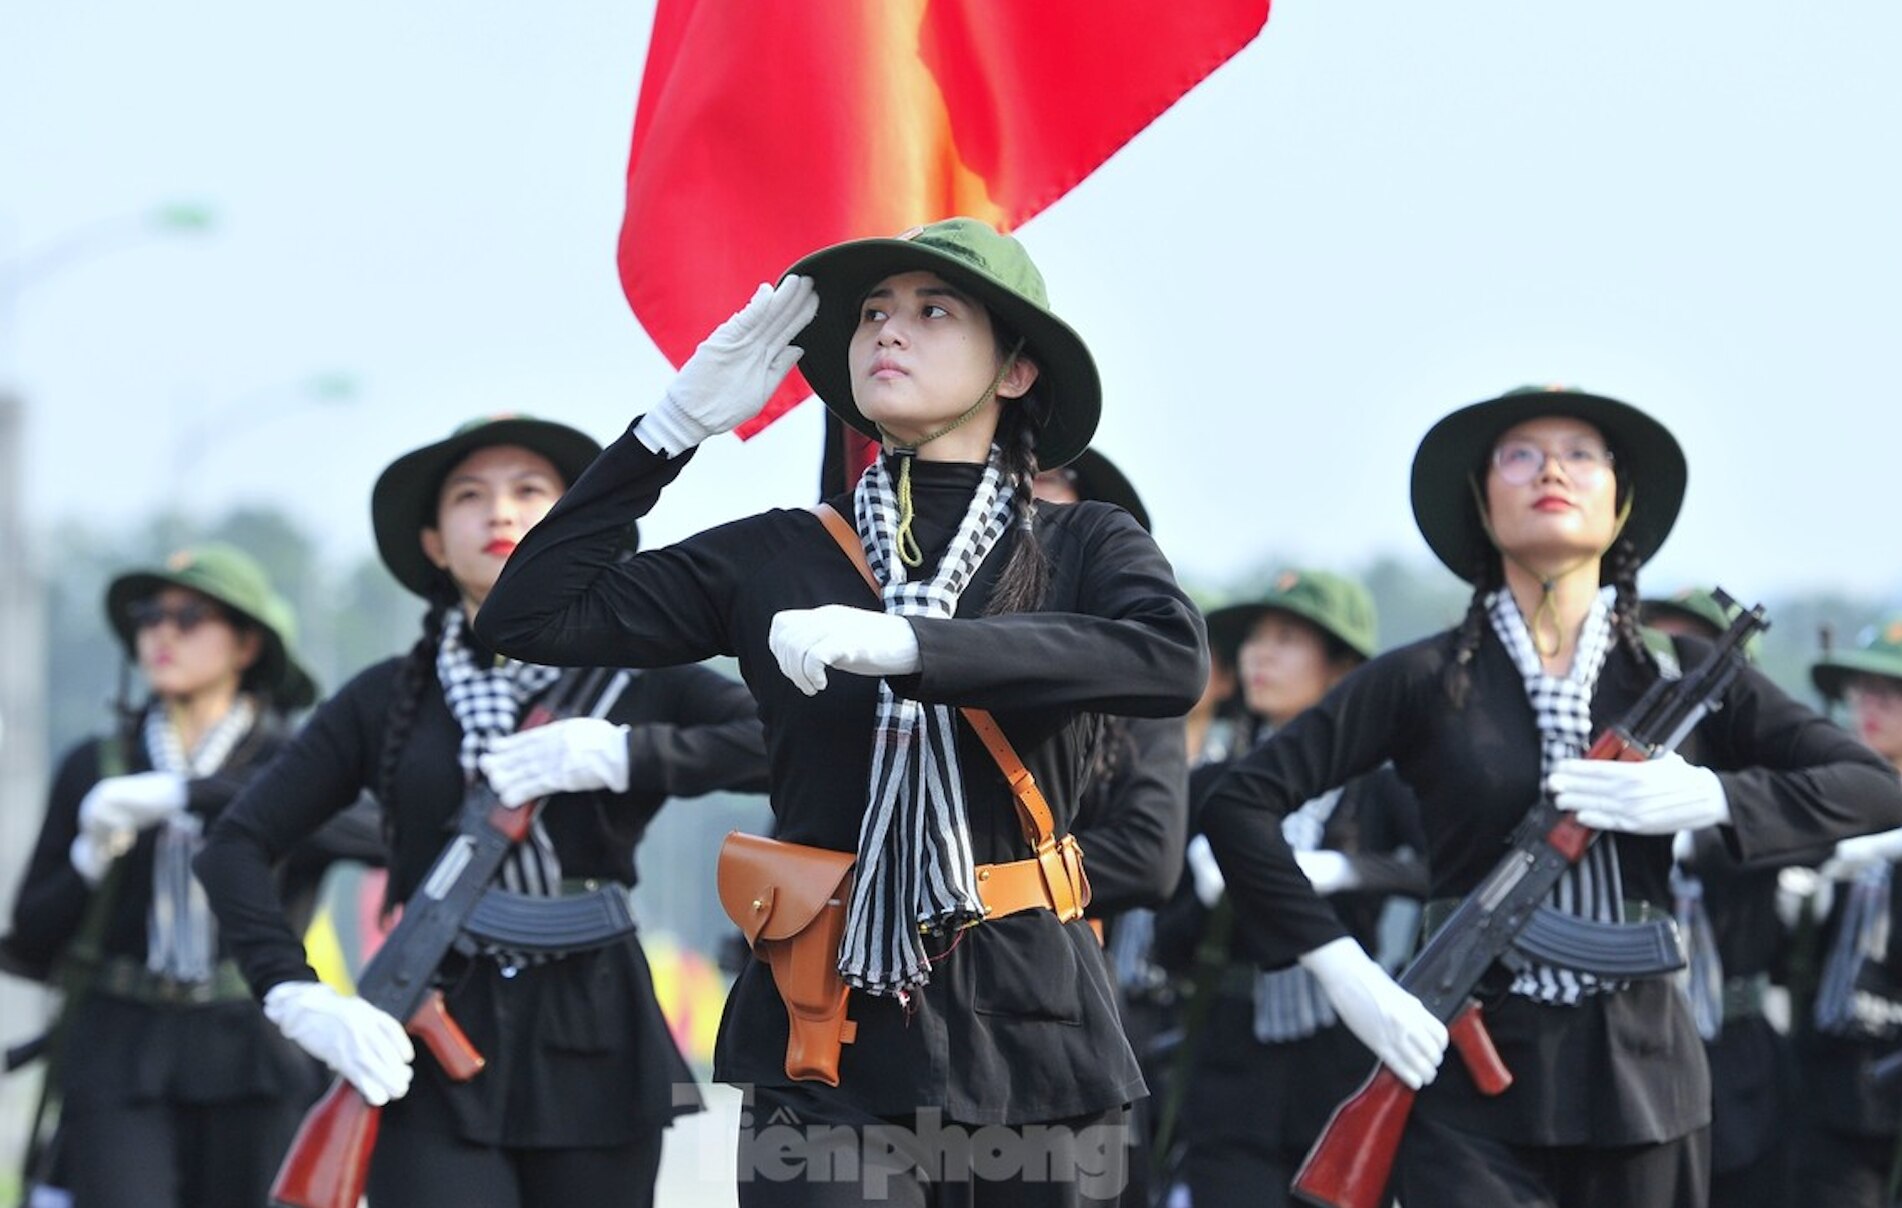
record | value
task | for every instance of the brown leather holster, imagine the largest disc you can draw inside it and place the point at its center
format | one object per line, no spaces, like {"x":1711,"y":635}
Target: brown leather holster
{"x":789,"y":901}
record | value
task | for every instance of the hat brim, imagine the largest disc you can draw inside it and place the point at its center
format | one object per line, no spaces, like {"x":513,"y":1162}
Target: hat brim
{"x":1068,"y":387}
{"x":1229,"y":626}
{"x":403,"y":502}
{"x":292,"y":686}
{"x":1098,"y":478}
{"x":1832,"y":675}
{"x":1650,"y":464}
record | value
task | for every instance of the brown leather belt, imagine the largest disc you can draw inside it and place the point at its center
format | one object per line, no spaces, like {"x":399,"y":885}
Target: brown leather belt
{"x":1006,"y":889}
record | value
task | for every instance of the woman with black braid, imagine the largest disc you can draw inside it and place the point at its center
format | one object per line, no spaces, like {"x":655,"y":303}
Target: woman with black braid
{"x":1548,"y":500}
{"x":582,"y":1074}
{"x":988,"y":1062}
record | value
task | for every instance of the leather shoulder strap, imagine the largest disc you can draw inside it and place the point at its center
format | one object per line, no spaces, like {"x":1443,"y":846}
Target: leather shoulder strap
{"x":1033,"y":812}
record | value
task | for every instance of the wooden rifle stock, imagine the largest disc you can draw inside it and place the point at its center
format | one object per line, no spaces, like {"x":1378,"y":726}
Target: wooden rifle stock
{"x":329,"y":1158}
{"x":1352,"y":1163}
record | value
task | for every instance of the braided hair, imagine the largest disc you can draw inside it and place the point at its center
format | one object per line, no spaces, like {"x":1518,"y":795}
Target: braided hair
{"x":1026,"y":576}
{"x":1457,"y":678}
{"x":413,"y":679}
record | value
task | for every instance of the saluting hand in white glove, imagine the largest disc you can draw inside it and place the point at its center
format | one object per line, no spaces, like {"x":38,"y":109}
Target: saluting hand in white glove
{"x":806,"y":641}
{"x":114,"y":811}
{"x":1393,"y":1023}
{"x":1655,"y":797}
{"x":574,"y":755}
{"x":734,"y":371}
{"x":363,"y":1043}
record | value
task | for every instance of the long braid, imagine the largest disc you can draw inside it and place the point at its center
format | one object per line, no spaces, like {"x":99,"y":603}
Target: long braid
{"x":406,"y":701}
{"x":1621,"y":571}
{"x":1026,"y":576}
{"x":1457,"y":678}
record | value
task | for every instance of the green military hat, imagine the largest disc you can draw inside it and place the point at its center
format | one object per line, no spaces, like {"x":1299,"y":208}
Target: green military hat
{"x":1449,"y":468}
{"x":403,"y":502}
{"x":1878,"y":652}
{"x":1700,"y":606}
{"x":992,"y":267}
{"x":1333,"y":603}
{"x":234,"y":579}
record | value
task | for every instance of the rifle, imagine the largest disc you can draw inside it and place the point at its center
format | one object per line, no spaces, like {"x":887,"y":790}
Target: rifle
{"x":329,"y":1159}
{"x":1350,"y":1163}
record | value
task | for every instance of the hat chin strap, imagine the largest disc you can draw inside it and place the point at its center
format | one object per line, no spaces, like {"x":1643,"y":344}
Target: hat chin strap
{"x":1548,"y":610}
{"x":905,"y":542}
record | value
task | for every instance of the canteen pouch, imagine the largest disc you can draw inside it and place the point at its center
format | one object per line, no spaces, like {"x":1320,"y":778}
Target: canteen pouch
{"x":789,"y":901}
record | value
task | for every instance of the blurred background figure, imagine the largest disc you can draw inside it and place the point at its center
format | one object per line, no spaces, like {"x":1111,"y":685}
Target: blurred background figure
{"x":1264,"y":1058}
{"x":169,"y":1085}
{"x":1850,"y":1154}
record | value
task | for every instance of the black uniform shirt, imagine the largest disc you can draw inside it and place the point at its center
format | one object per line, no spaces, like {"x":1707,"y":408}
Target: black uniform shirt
{"x":1019,"y":1022}
{"x":1623,"y":1068}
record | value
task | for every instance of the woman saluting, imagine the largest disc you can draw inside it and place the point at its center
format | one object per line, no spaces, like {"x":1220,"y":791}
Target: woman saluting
{"x":1548,"y":501}
{"x":582,"y":1074}
{"x":940,"y":343}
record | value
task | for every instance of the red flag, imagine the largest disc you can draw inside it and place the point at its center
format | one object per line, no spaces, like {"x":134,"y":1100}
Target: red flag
{"x":769,"y":128}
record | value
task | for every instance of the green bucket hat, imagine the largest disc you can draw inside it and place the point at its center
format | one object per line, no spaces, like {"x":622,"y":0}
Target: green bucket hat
{"x":1451,"y":458}
{"x":993,"y":268}
{"x":1335,"y":604}
{"x":1698,"y":605}
{"x":1096,"y":477}
{"x":1878,"y":652}
{"x":403,"y":502}
{"x":235,"y":580}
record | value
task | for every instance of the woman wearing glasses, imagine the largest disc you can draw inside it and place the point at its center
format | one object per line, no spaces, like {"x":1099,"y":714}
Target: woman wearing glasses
{"x":174,"y":1089}
{"x":1548,"y":501}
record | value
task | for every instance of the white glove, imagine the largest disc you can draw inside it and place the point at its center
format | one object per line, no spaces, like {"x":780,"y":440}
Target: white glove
{"x":808,"y":640}
{"x":1799,"y":890}
{"x":734,"y":371}
{"x":1393,"y":1023}
{"x":131,"y":803}
{"x":1857,"y":855}
{"x":365,"y":1044}
{"x":1655,"y":797}
{"x":1205,"y":873}
{"x":573,"y":755}
{"x":1329,"y":871}
{"x":92,"y":856}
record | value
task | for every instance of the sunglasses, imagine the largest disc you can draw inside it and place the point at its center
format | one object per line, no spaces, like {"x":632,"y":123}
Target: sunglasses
{"x":148,"y":614}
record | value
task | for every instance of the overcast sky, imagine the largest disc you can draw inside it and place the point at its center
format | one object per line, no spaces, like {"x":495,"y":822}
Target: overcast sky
{"x":1375,"y":213}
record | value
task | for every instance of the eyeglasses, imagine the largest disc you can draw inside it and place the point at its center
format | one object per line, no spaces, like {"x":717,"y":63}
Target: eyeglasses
{"x":1874,"y":690}
{"x":147,"y":614}
{"x":1519,"y":461}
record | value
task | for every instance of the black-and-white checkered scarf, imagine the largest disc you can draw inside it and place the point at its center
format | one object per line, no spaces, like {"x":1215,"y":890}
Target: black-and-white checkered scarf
{"x":486,"y":702}
{"x":915,"y":866}
{"x":181,"y":934}
{"x":1593,"y":887}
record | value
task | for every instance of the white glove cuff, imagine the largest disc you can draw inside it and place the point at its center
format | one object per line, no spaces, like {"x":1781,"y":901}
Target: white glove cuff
{"x":668,"y":430}
{"x":1337,"y":959}
{"x":615,"y":761}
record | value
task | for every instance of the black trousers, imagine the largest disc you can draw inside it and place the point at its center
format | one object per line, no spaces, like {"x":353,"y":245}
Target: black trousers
{"x":1444,"y":1167}
{"x":799,"y":1150}
{"x":1844,"y":1171}
{"x":420,"y":1169}
{"x":167,"y":1155}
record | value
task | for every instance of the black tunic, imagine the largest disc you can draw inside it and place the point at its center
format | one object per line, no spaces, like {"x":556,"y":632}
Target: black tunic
{"x":120,"y":1051}
{"x":578,"y":1052}
{"x":1019,"y":1021}
{"x":1621,"y":1068}
{"x":1133,"y":823}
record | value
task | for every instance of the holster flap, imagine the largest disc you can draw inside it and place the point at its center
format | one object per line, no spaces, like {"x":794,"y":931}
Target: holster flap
{"x":773,"y":890}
